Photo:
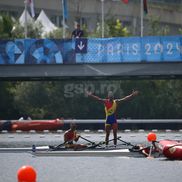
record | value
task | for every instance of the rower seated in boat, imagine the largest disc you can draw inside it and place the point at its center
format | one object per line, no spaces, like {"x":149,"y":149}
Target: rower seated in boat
{"x":71,"y":136}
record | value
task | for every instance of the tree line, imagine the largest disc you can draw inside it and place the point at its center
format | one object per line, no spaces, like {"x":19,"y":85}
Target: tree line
{"x":158,"y":99}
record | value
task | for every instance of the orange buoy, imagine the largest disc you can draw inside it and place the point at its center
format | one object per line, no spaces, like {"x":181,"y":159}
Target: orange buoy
{"x":151,"y":137}
{"x":26,"y":174}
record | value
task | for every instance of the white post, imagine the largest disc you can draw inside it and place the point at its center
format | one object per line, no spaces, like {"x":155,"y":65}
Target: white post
{"x":102,"y":11}
{"x":25,"y":25}
{"x":141,"y":14}
{"x":64,"y":33}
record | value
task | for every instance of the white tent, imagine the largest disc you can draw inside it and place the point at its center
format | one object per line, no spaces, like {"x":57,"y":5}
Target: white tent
{"x":48,"y":26}
{"x":22,"y":18}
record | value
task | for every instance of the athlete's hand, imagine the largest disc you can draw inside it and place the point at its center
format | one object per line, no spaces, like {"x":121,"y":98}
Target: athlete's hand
{"x":88,"y":93}
{"x":77,"y":138}
{"x":135,"y":93}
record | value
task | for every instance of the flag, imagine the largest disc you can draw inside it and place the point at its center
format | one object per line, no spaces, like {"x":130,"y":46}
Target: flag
{"x":65,"y":9}
{"x":145,"y":6}
{"x":125,"y":1}
{"x":31,"y":4}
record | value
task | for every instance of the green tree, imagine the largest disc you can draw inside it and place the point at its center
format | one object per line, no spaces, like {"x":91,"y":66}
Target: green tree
{"x":57,"y":34}
{"x":6,"y":25}
{"x":31,"y":98}
{"x":117,"y":29}
{"x":155,"y":27}
{"x":34,"y":30}
{"x":180,"y":30}
{"x":112,"y":28}
{"x":158,"y":99}
{"x":85,"y":30}
{"x":7,"y":107}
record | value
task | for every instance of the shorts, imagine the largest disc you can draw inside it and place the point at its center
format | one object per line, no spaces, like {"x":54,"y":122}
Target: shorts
{"x":111,"y":119}
{"x":114,"y":126}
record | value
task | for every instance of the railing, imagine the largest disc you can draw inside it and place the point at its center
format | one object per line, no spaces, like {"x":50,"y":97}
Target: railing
{"x":98,"y":124}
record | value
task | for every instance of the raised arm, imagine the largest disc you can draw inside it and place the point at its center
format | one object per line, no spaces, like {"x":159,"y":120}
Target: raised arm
{"x":133,"y":94}
{"x":94,"y":96}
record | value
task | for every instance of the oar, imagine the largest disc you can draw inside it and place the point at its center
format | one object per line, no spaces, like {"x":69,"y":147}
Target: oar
{"x":134,"y":148}
{"x":102,"y":143}
{"x":87,"y":140}
{"x":62,"y":144}
{"x":127,"y":143}
{"x":58,"y":146}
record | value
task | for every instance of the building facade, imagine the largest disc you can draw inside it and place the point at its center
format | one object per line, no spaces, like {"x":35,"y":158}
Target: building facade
{"x":88,"y":12}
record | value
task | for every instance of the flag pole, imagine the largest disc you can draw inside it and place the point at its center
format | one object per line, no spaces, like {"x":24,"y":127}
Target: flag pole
{"x":25,"y":25}
{"x":141,"y":16}
{"x":102,"y":11}
{"x":63,"y":10}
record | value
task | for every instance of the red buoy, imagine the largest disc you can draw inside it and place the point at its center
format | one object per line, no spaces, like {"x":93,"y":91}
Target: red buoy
{"x":151,"y":137}
{"x":26,"y":174}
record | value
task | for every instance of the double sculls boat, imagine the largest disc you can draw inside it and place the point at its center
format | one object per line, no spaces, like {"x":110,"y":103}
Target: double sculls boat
{"x":89,"y":153}
{"x":63,"y":152}
{"x":125,"y":149}
{"x":170,"y":149}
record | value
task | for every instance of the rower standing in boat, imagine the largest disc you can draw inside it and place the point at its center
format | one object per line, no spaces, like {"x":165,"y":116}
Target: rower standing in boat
{"x":110,"y":109}
{"x":71,"y":136}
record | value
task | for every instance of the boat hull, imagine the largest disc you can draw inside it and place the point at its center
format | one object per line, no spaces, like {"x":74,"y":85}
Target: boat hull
{"x":171,"y":149}
{"x":88,"y":153}
{"x":23,"y":149}
{"x":37,"y":125}
{"x":45,"y":151}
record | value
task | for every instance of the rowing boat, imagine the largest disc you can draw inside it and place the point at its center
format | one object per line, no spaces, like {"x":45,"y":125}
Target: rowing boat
{"x":96,"y":152}
{"x":89,"y":153}
{"x":125,"y":149}
{"x":27,"y":125}
{"x":37,"y":125}
{"x":23,"y":149}
{"x":45,"y":151}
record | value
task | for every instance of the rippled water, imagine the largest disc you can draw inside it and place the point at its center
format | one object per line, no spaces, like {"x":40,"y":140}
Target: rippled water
{"x":87,"y":169}
{"x":94,"y":169}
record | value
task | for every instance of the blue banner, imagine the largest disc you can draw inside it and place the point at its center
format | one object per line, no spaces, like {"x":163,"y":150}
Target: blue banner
{"x":92,"y":50}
